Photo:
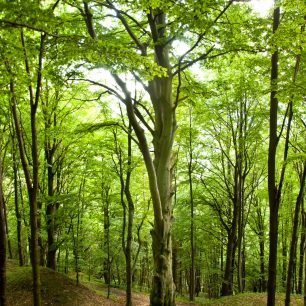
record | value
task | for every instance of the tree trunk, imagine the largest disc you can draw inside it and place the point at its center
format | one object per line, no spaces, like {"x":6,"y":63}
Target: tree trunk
{"x":192,"y":247}
{"x":125,"y":190}
{"x":50,"y":146}
{"x":50,"y":211}
{"x":8,"y":240}
{"x":294,"y":238}
{"x":2,"y":241}
{"x":16,"y":201}
{"x":227,"y":284}
{"x":274,"y":197}
{"x":262,"y":265}
{"x":31,"y":176}
{"x":159,"y":170}
{"x":305,"y":281}
{"x":284,"y":235}
{"x":302,"y":251}
{"x":106,"y":263}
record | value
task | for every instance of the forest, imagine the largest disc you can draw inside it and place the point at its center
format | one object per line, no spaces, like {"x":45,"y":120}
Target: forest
{"x":155,"y":146}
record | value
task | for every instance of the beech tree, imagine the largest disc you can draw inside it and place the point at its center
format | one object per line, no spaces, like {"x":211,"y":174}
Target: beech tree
{"x":164,"y":98}
{"x":191,"y":81}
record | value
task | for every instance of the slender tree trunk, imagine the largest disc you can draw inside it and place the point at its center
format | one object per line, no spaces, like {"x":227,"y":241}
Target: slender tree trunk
{"x":106,"y":262}
{"x":274,"y":197}
{"x":262,"y":265}
{"x":50,"y":210}
{"x":294,"y":238}
{"x":8,"y":240}
{"x":129,"y":267}
{"x":284,"y":235}
{"x":16,"y":201}
{"x":192,"y":247}
{"x":125,"y":190}
{"x":302,"y":251}
{"x":2,"y":241}
{"x":305,"y":281}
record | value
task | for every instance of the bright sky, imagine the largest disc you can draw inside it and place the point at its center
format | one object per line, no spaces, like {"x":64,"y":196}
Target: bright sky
{"x":262,"y":6}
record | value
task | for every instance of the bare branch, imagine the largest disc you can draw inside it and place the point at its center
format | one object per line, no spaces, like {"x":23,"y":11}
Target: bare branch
{"x":16,"y":24}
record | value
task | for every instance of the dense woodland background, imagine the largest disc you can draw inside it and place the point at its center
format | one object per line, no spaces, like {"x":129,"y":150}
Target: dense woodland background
{"x":178,"y":121}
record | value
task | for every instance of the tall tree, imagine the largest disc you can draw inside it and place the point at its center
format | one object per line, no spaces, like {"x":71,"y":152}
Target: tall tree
{"x":128,"y":210}
{"x":275,"y":185}
{"x":2,"y":229}
{"x":191,"y":198}
{"x":274,"y":195}
{"x":30,"y":175}
{"x":155,"y":26}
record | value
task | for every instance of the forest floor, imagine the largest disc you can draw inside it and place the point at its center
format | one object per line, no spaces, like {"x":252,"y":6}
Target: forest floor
{"x":60,"y":290}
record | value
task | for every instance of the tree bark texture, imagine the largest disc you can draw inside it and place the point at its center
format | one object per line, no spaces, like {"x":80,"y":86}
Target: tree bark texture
{"x":294,"y":238}
{"x":160,"y":169}
{"x":227,"y":284}
{"x":128,"y":212}
{"x":2,"y":241}
{"x":192,"y":247}
{"x":302,"y":251}
{"x":274,"y":198}
{"x":16,"y":202}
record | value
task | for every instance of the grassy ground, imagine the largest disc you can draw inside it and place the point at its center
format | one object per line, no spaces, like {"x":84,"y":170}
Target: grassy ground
{"x":57,"y":289}
{"x":250,"y":299}
{"x":60,"y":290}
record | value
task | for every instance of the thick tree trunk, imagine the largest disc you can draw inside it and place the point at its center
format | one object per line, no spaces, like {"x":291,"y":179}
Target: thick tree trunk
{"x":50,"y":147}
{"x":163,"y":287}
{"x":159,"y":170}
{"x":274,"y":197}
{"x":227,"y":284}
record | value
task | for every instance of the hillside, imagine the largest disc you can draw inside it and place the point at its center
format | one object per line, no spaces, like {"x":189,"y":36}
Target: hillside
{"x":60,"y":290}
{"x":57,"y":289}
